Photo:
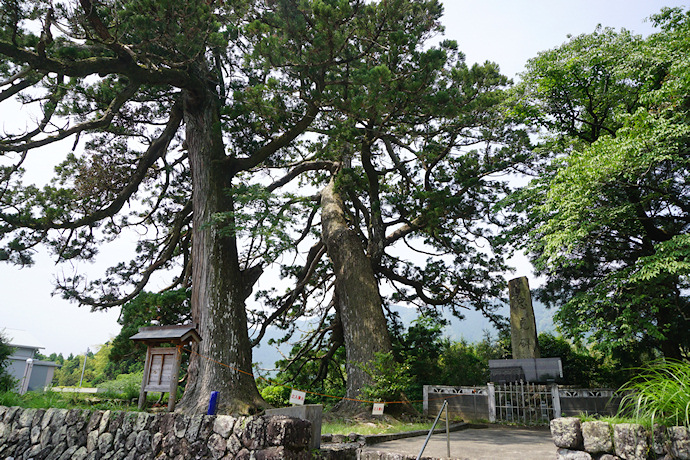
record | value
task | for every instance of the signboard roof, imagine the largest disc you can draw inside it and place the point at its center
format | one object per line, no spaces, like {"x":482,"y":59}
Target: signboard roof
{"x":172,"y":334}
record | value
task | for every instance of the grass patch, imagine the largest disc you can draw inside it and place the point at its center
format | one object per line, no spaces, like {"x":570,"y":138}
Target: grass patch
{"x":383,"y":426}
{"x":48,"y":399}
{"x":659,"y":394}
{"x":119,"y":394}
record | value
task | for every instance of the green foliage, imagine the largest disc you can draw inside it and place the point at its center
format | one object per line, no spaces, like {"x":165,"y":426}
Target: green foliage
{"x":276,"y":395}
{"x":70,"y":373}
{"x":50,"y":399}
{"x":582,"y":88}
{"x":125,"y":386}
{"x":390,"y":379}
{"x":420,"y":349}
{"x":659,"y":394}
{"x":581,"y":367}
{"x":429,"y":355}
{"x":463,"y":363}
{"x":7,"y":382}
{"x":308,"y":369}
{"x":607,"y":220}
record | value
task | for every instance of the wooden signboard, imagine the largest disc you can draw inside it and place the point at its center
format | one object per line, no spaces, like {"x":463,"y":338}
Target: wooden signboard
{"x":163,"y":363}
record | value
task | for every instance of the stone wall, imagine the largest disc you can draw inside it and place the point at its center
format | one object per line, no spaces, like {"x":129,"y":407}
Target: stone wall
{"x":577,"y":440}
{"x":57,"y":434}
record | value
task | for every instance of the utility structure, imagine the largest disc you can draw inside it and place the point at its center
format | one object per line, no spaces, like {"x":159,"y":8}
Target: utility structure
{"x":163,"y":357}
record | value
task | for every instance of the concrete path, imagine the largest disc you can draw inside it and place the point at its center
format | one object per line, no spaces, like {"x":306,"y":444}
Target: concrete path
{"x":493,"y":443}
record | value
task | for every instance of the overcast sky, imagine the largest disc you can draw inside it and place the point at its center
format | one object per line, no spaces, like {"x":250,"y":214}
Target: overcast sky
{"x":508,"y":32}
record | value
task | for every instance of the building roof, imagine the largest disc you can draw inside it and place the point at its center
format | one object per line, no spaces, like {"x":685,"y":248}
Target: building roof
{"x":172,"y":334}
{"x":20,"y":338}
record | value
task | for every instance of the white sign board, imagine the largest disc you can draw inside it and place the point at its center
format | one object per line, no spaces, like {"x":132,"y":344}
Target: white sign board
{"x":378,"y":409}
{"x":297,"y":397}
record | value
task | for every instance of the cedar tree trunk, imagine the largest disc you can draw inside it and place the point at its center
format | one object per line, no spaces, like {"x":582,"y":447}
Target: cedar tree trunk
{"x":217,"y":293}
{"x":358,"y":300}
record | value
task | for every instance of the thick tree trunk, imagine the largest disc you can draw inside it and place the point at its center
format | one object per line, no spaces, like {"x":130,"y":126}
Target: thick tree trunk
{"x":224,"y":360}
{"x":358,"y":300}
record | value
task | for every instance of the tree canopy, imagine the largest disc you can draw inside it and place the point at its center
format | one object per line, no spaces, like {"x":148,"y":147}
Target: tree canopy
{"x":405,"y":167}
{"x":169,"y":107}
{"x":608,"y":217}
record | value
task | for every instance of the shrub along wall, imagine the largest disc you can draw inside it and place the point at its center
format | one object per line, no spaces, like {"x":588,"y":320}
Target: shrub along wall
{"x":56,"y":434}
{"x":598,"y":440}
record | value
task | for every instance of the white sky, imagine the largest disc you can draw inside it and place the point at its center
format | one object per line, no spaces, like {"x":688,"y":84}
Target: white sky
{"x":508,"y":32}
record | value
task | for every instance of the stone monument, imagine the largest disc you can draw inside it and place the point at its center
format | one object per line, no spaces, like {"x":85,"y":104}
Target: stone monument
{"x":523,"y":327}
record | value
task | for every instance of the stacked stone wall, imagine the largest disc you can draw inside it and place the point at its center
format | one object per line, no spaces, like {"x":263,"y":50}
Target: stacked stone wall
{"x":61,"y":434}
{"x":598,"y":440}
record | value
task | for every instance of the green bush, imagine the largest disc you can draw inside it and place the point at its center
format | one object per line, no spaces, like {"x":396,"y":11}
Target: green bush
{"x":659,"y":394}
{"x":276,"y":395}
{"x":7,"y":382}
{"x":390,"y":378}
{"x":125,"y":386}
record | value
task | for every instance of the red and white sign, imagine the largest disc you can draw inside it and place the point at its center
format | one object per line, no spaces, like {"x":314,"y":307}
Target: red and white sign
{"x":378,"y":409}
{"x":297,"y":397}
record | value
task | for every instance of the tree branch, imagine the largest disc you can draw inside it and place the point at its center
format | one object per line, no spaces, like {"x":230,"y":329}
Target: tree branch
{"x":157,"y":149}
{"x":315,"y":254}
{"x":21,"y":143}
{"x":418,"y":287}
{"x":164,"y":256}
{"x":331,"y":166}
{"x":262,"y":153}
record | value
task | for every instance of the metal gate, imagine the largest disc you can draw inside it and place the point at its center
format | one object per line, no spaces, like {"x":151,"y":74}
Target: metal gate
{"x":524,"y":403}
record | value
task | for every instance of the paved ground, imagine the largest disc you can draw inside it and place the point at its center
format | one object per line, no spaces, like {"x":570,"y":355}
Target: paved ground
{"x":494,"y":443}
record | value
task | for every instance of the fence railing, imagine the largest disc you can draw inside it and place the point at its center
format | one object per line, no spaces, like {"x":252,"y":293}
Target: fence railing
{"x":524,"y":403}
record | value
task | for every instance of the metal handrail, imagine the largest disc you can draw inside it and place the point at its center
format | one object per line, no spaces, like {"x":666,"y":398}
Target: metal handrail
{"x":431,"y":431}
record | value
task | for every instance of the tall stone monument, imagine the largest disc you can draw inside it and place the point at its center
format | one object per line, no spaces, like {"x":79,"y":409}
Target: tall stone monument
{"x":523,"y":326}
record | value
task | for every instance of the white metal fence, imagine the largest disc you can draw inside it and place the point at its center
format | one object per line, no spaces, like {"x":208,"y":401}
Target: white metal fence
{"x":523,"y":403}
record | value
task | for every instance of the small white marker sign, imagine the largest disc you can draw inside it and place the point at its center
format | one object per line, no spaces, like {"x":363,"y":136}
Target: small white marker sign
{"x":378,"y":409}
{"x":297,"y":397}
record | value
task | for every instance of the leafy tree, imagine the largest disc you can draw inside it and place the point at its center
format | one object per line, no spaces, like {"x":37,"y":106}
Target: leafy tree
{"x":7,"y":382}
{"x":389,"y":381}
{"x":69,"y":373}
{"x":464,"y":363}
{"x":170,"y":107}
{"x":406,"y":168}
{"x":304,"y":369}
{"x":419,"y":350}
{"x":581,"y":367}
{"x":607,"y":221}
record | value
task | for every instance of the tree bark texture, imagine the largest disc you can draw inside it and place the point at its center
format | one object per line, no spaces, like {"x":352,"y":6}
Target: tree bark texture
{"x":224,"y":360}
{"x":358,"y":300}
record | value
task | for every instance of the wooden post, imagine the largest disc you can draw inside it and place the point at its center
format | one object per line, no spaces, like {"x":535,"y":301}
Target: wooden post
{"x":147,"y":372}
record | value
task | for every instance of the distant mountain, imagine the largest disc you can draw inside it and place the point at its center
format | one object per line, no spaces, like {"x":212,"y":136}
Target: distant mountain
{"x":471,"y":328}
